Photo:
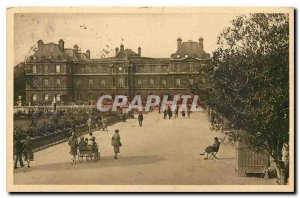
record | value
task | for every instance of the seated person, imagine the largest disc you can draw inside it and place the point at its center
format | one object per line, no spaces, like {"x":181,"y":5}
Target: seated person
{"x":82,"y":143}
{"x":213,"y":148}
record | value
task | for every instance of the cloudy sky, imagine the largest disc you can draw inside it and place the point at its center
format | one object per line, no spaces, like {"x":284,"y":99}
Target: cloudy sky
{"x":155,"y":33}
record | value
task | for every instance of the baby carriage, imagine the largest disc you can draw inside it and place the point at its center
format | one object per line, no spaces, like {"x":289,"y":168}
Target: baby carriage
{"x":90,"y":152}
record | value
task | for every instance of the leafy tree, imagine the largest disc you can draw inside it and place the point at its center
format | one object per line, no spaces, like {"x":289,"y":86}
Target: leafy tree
{"x":19,"y":81}
{"x":247,"y":83}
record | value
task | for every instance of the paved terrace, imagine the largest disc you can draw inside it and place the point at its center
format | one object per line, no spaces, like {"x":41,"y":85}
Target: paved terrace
{"x":160,"y":152}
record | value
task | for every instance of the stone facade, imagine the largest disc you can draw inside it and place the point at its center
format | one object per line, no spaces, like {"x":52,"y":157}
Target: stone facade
{"x":70,"y":75}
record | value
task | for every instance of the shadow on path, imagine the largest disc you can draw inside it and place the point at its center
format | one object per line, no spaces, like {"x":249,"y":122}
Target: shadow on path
{"x":104,"y":162}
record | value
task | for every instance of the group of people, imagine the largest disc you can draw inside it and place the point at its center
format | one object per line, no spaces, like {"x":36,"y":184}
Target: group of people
{"x":102,"y":123}
{"x":23,"y":147}
{"x":168,"y":113}
{"x":90,"y":140}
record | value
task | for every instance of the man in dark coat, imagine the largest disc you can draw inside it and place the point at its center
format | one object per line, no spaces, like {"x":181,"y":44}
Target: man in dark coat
{"x":18,"y":148}
{"x":140,"y":118}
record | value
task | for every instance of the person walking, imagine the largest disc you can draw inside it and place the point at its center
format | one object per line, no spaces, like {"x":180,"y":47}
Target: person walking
{"x":73,"y":143}
{"x":18,"y":150}
{"x":96,"y":122}
{"x":89,"y":123}
{"x":176,"y":112}
{"x":103,"y":123}
{"x":165,"y":114}
{"x":170,"y":113}
{"x":140,"y":118}
{"x":28,"y":151}
{"x":116,"y":143}
{"x":189,"y":112}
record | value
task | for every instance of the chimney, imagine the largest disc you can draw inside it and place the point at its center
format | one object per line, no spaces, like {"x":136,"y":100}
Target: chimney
{"x":201,"y":43}
{"x":117,"y":51}
{"x":75,"y":48}
{"x":179,"y":41}
{"x":139,"y":51}
{"x":122,"y":47}
{"x":61,"y":44}
{"x":88,"y":54}
{"x":40,"y":43}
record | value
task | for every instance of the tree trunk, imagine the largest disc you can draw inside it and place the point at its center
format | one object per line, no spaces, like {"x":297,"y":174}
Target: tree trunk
{"x":282,"y":172}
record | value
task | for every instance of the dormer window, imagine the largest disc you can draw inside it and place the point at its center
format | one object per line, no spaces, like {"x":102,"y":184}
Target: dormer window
{"x":178,"y":56}
{"x":34,"y":58}
{"x":186,"y":56}
{"x":58,"y":57}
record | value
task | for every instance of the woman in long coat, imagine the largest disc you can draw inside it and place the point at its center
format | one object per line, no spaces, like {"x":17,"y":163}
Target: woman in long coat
{"x":116,"y":143}
{"x":73,"y":143}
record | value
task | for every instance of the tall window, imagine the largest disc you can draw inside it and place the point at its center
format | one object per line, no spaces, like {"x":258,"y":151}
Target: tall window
{"x":121,"y":83}
{"x":46,"y":69}
{"x":177,"y":67}
{"x":139,"y":83}
{"x":152,"y":68}
{"x":164,"y":68}
{"x":34,"y":69}
{"x":78,"y":83}
{"x":46,"y":82}
{"x":91,"y":83}
{"x":102,"y":83}
{"x":91,"y":96}
{"x":58,"y":97}
{"x":151,"y":83}
{"x":114,"y":81}
{"x":34,"y":97}
{"x":164,"y":82}
{"x":177,"y":82}
{"x":46,"y":97}
{"x":57,"y":81}
{"x":57,"y":69}
{"x":191,"y":68}
{"x":78,"y":96}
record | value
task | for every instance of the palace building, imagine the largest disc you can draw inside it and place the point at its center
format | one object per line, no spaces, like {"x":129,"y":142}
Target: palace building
{"x":70,"y":75}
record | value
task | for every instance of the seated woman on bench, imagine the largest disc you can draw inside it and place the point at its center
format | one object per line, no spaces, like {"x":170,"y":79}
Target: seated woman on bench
{"x":212,"y":150}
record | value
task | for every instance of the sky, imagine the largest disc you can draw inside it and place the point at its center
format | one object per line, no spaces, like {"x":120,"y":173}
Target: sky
{"x":155,"y":33}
